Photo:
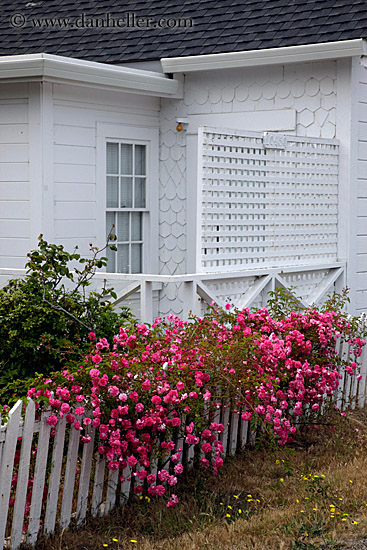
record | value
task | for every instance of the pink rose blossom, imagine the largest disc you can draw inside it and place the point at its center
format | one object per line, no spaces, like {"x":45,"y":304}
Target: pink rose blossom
{"x":132,"y":460}
{"x":159,"y":490}
{"x":178,"y":469}
{"x":52,"y":420}
{"x":172,"y":480}
{"x":151,"y":479}
{"x":113,"y":390}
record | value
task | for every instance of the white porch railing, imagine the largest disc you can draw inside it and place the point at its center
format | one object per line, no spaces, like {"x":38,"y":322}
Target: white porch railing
{"x":242,"y":288}
{"x":152,"y":295}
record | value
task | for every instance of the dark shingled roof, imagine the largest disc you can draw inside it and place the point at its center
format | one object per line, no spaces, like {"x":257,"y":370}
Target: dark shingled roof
{"x":217,"y":26}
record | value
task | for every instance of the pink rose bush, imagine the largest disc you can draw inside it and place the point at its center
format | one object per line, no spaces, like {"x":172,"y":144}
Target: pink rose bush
{"x":154,"y":391}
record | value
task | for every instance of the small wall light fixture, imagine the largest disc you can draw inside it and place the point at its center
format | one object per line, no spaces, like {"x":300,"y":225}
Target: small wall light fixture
{"x":182,"y":124}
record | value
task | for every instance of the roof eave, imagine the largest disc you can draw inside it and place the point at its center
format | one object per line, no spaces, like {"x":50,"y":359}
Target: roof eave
{"x":57,"y":67}
{"x":271,"y":56}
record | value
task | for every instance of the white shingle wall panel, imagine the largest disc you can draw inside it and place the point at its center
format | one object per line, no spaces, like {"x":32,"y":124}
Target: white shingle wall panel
{"x":306,"y":117}
{"x":328,"y":101}
{"x":321,"y":116}
{"x":172,"y":204}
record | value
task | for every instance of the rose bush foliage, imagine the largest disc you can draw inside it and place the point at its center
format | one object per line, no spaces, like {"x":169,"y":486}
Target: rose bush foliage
{"x":153,"y":391}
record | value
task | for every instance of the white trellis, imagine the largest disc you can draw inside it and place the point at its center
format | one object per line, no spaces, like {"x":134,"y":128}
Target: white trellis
{"x":266,"y":207}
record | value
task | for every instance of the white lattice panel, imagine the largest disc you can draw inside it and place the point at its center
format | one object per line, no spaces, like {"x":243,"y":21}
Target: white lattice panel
{"x":267,"y":207}
{"x":232,"y":289}
{"x":305,"y":283}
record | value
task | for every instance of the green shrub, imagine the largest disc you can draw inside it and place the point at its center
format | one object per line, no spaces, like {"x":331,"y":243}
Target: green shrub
{"x":46,"y":317}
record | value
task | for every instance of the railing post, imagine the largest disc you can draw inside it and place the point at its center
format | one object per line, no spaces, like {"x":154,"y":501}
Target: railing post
{"x":189,"y":299}
{"x":146,"y":302}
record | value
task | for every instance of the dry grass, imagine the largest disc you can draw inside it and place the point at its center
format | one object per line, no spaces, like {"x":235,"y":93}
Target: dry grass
{"x":289,"y":508}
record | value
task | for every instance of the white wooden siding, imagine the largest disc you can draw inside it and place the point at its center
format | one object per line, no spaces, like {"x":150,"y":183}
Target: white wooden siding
{"x":14,"y":175}
{"x":83,"y":155}
{"x":360,"y":247}
{"x":76,"y":115}
{"x":14,"y":133}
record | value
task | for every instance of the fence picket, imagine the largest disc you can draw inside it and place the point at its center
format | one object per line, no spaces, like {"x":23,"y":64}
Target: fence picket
{"x":352,"y":400}
{"x":340,"y":391}
{"x":154,"y":465}
{"x":190,"y":455}
{"x":125,"y":485}
{"x":217,"y":414}
{"x":39,"y":479}
{"x":347,"y":378}
{"x":85,"y":473}
{"x":361,"y":398}
{"x":54,"y":483}
{"x":180,"y":441}
{"x":113,"y":479}
{"x":233,"y":433}
{"x":98,"y":485}
{"x":251,"y":434}
{"x":23,"y":476}
{"x":6,"y":472}
{"x":225,"y":422}
{"x":244,"y":428}
{"x":70,"y":472}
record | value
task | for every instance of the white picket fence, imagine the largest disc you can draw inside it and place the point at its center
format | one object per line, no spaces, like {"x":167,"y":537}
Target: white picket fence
{"x":78,"y":479}
{"x":67,"y":467}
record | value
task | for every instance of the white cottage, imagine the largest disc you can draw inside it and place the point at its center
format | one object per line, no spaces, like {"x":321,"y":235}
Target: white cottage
{"x":226,"y":144}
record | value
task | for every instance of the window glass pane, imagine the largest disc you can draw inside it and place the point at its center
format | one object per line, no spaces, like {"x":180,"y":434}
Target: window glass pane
{"x":140,"y":160}
{"x":112,"y":158}
{"x":111,"y":256}
{"x":139,"y":193}
{"x":126,"y":193}
{"x":126,"y":159}
{"x":126,"y":168}
{"x":136,"y":226}
{"x":112,"y":192}
{"x":123,"y":258}
{"x":123,"y":226}
{"x":136,"y":258}
{"x":110,"y":222}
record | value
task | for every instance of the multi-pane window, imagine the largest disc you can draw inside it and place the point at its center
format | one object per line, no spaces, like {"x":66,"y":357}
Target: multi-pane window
{"x":125,"y":205}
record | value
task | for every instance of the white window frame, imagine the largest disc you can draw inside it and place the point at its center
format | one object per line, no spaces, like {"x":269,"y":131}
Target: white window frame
{"x":123,"y":133}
